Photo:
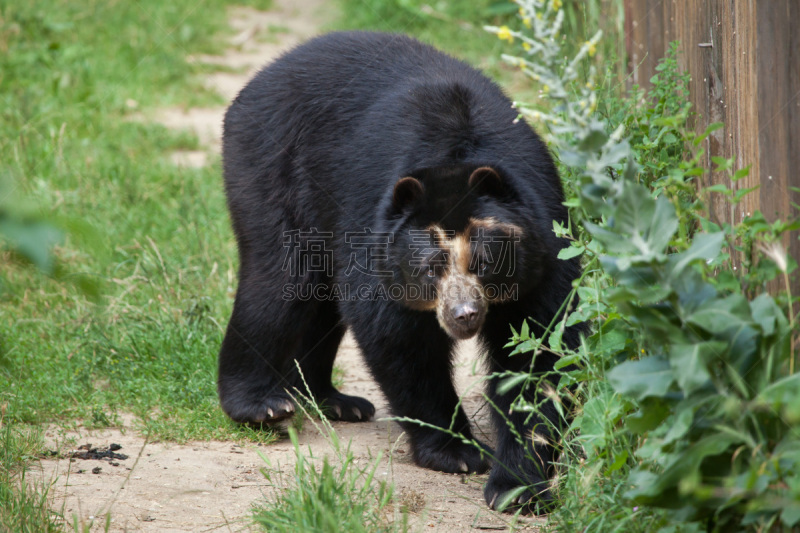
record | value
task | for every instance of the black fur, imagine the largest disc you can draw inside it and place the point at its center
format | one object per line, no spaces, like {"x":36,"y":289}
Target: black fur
{"x":319,"y":139}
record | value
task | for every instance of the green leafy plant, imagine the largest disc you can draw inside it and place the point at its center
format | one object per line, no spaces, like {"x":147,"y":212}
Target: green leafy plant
{"x":688,"y":394}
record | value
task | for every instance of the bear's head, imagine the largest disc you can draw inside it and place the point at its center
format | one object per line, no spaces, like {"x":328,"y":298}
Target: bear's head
{"x":461,"y":243}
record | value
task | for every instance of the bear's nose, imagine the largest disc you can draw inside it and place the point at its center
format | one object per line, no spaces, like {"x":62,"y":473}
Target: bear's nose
{"x":466,"y":314}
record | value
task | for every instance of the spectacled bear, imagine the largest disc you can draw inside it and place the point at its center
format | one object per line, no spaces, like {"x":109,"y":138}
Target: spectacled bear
{"x":377,"y":184}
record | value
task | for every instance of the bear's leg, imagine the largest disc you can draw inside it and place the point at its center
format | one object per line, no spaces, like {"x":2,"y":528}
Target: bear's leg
{"x":266,"y":338}
{"x":256,"y":358}
{"x":525,"y":447}
{"x":409,"y":356}
{"x":316,"y":356}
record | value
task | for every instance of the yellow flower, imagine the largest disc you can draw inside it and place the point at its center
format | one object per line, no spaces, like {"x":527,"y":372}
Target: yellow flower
{"x":526,"y":21}
{"x":504,"y":34}
{"x":539,"y":15}
{"x":556,"y":5}
{"x":592,"y":49}
{"x":526,"y":46}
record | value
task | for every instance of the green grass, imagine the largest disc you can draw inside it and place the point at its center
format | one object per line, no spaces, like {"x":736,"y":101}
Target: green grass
{"x":456,"y":26}
{"x":152,"y":237}
{"x":22,"y":508}
{"x":150,"y":240}
{"x":328,"y":496}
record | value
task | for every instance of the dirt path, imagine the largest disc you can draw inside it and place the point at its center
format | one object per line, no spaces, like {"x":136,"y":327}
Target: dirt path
{"x":206,"y":486}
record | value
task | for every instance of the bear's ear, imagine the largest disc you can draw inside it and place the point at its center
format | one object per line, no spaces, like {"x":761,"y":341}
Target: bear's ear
{"x":406,"y":192}
{"x":486,"y":181}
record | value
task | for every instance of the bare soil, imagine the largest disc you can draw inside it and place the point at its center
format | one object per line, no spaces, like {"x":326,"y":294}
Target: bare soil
{"x":117,"y":479}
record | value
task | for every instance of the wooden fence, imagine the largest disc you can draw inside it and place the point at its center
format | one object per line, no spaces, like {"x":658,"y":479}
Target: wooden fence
{"x":744,"y":60}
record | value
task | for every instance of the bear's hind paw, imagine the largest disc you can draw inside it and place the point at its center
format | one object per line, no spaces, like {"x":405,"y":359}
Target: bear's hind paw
{"x":536,"y":499}
{"x":338,"y":406}
{"x":454,"y":457}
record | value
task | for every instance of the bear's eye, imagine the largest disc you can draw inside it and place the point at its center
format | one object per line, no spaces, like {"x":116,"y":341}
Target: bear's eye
{"x":431,"y":271}
{"x":483,"y":265}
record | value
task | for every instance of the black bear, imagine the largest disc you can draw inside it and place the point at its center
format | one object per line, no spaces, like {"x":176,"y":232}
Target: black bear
{"x":378,"y":184}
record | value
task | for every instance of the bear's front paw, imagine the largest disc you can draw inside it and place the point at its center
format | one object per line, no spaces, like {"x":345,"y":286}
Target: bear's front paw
{"x":453,"y":456}
{"x":267,"y":410}
{"x":504,"y":492}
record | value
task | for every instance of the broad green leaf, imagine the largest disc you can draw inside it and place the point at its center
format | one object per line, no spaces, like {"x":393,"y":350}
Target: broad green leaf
{"x":594,"y":140}
{"x":654,"y":488}
{"x":583,"y":313}
{"x":710,"y":129}
{"x":566,"y":361}
{"x":720,"y":188}
{"x":651,"y":413}
{"x":785,"y":390}
{"x":609,"y":340}
{"x":33,"y":240}
{"x":525,"y":332}
{"x":720,"y":315}
{"x":619,"y":462}
{"x":690,"y":363}
{"x":704,"y":246}
{"x":651,"y":376}
{"x":766,"y":312}
{"x":593,"y":425}
{"x":681,"y":424}
{"x":742,"y":172}
{"x":741,"y":193}
{"x":664,"y":224}
{"x":791,"y":514}
{"x":554,"y":339}
{"x":570,"y":251}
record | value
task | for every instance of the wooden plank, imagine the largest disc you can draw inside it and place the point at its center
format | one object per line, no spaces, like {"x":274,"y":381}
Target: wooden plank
{"x":749,"y":79}
{"x":793,"y":118}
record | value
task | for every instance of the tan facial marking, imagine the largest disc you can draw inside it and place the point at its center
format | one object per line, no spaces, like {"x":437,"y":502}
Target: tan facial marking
{"x":461,"y":253}
{"x":441,"y":236}
{"x":457,"y":284}
{"x":491,"y":223}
